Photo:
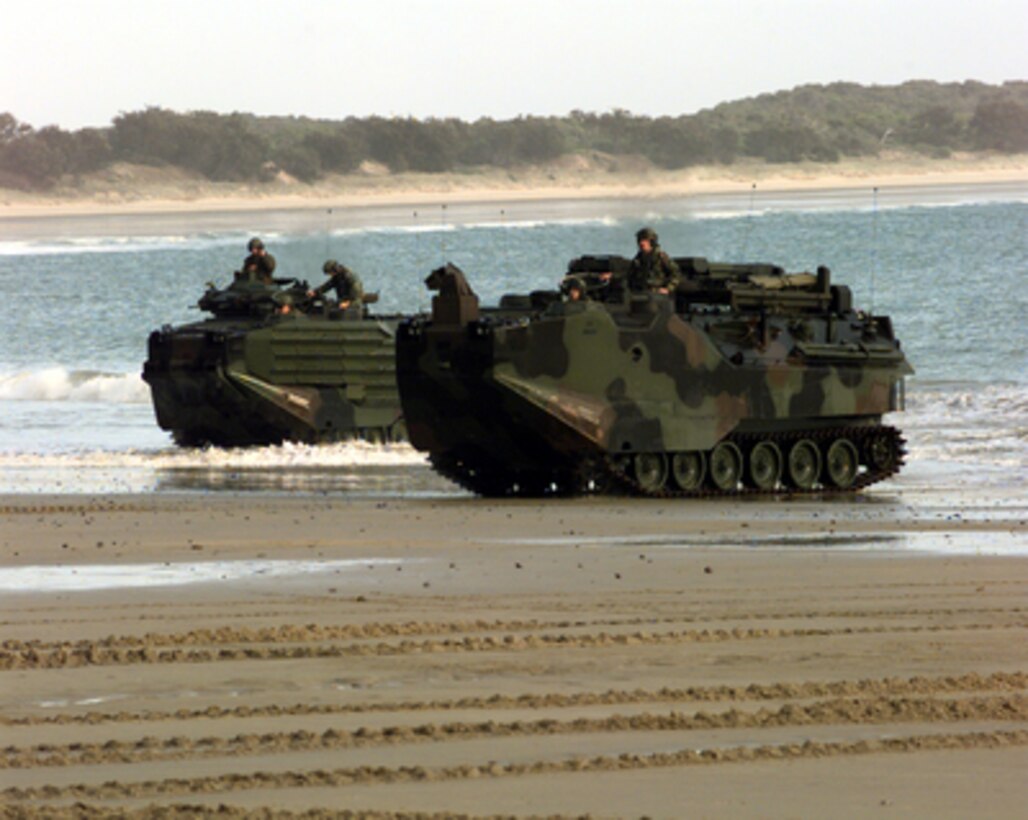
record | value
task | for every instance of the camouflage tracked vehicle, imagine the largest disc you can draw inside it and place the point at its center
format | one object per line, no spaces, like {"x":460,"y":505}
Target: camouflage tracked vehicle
{"x":273,"y":365}
{"x":746,"y":379}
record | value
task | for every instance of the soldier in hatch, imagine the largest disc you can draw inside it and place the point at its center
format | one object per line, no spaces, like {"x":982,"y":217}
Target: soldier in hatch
{"x":651,"y":269}
{"x":259,"y":266}
{"x":574,"y":289}
{"x":347,"y":284}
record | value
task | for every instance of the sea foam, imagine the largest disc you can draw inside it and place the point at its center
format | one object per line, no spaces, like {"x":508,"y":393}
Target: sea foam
{"x":988,"y":424}
{"x":60,"y":384}
{"x":290,"y":455}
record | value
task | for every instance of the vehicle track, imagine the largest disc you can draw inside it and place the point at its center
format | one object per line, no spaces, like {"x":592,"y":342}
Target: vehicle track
{"x":838,"y":711}
{"x":296,"y":633}
{"x":882,"y":687}
{"x":93,"y":653}
{"x":190,"y":811}
{"x":342,"y":777}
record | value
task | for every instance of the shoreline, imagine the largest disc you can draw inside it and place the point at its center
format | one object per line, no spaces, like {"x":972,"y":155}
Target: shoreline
{"x":532,"y":186}
{"x":276,"y":217}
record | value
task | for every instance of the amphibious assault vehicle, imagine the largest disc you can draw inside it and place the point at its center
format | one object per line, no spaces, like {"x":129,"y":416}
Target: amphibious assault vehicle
{"x":271,"y":365}
{"x":745,"y":379}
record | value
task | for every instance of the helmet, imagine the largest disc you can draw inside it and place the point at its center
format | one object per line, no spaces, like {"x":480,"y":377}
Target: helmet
{"x":646,"y":233}
{"x":255,"y":244}
{"x":571,"y":283}
{"x":330,"y":266}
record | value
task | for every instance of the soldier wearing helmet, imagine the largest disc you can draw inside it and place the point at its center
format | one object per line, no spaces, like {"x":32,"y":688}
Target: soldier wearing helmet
{"x":259,"y":265}
{"x":347,"y":284}
{"x":651,"y":269}
{"x":574,"y":289}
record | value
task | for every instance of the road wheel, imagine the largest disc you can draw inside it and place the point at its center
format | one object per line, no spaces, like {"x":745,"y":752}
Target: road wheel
{"x":725,"y":466}
{"x":841,"y":463}
{"x":650,"y":470}
{"x":765,"y":465}
{"x":804,"y":464}
{"x":688,"y":470}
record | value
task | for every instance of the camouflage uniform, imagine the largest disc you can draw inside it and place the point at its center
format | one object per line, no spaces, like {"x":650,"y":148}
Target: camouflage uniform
{"x":653,"y":270}
{"x":347,"y":284}
{"x":258,"y":266}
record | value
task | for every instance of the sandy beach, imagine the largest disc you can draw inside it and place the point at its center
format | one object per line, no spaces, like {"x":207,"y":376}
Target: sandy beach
{"x":145,"y":191}
{"x":454,"y":656}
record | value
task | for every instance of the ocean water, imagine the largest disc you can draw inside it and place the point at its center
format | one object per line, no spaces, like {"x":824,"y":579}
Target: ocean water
{"x":80,"y":298}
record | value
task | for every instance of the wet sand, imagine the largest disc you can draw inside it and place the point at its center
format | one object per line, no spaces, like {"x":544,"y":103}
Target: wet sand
{"x":448,"y":655}
{"x":429,"y":200}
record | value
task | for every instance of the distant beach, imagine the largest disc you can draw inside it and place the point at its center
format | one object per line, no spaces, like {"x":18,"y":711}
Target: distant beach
{"x":140,"y":201}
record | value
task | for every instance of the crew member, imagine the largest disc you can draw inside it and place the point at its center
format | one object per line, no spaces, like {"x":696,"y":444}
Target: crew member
{"x":651,"y":269}
{"x":574,"y":289}
{"x":347,"y":285}
{"x":259,"y":265}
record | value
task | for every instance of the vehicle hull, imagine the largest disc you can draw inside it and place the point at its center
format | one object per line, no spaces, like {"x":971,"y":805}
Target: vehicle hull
{"x":543,"y":399}
{"x":238,"y":382}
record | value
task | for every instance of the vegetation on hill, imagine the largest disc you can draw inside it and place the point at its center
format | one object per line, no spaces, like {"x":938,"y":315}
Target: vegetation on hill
{"x":814,"y":122}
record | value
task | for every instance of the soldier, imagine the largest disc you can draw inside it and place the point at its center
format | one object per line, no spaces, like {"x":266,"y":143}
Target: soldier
{"x":347,"y":284}
{"x":651,"y":269}
{"x":259,"y":265}
{"x":574,"y":289}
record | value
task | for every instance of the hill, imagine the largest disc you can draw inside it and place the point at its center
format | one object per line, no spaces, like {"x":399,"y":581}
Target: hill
{"x":818,"y":123}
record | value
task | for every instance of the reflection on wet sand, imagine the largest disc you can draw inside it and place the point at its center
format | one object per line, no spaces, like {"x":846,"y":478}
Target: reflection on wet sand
{"x":409,"y":481}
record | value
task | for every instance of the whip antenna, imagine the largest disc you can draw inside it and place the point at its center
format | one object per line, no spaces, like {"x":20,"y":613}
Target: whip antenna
{"x":328,"y":229}
{"x":749,"y":224}
{"x":874,"y":244}
{"x":442,"y":233}
{"x":417,"y":241}
{"x":505,"y":234}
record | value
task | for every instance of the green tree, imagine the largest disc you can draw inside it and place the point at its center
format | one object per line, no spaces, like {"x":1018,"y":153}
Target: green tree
{"x":337,"y":151}
{"x":936,"y":125}
{"x":1001,"y":125}
{"x":677,"y":143}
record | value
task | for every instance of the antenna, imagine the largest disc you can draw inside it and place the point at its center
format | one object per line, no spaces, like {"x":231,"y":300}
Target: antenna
{"x":749,"y":224}
{"x":328,"y":229}
{"x":418,"y":261}
{"x":442,"y":233}
{"x":874,"y":244}
{"x":504,"y":236}
{"x":417,"y":242}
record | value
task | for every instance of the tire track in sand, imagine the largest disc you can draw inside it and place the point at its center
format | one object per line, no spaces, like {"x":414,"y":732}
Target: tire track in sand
{"x":191,"y":811}
{"x":93,"y":653}
{"x":833,"y":712}
{"x":919,"y":685}
{"x":296,"y":633}
{"x":342,"y":777}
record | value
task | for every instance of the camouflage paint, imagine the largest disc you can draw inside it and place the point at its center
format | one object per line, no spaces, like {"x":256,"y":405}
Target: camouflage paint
{"x":533,"y":391}
{"x":254,"y":374}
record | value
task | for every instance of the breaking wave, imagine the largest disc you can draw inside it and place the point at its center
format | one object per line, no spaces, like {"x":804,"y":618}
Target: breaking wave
{"x":61,"y":384}
{"x":290,"y":456}
{"x":964,"y":423}
{"x":120,"y":244}
{"x":427,"y":221}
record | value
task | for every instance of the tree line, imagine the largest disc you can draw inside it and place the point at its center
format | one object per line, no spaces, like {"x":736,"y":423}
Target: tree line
{"x":822,"y":123}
